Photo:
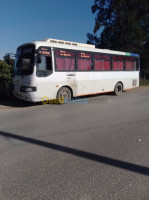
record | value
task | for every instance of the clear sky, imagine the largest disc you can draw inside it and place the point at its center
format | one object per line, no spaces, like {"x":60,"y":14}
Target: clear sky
{"x":23,"y":21}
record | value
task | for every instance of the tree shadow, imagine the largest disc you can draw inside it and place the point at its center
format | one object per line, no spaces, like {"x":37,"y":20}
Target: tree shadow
{"x":83,"y":154}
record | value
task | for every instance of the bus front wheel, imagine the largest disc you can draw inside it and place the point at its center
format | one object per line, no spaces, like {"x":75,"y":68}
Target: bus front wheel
{"x":118,"y":89}
{"x":64,"y":93}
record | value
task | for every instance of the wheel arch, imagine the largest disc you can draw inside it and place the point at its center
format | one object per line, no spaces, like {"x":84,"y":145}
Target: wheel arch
{"x":120,"y":83}
{"x":67,"y":86}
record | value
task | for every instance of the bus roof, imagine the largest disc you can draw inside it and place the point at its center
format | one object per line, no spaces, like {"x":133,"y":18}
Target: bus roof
{"x":77,"y":46}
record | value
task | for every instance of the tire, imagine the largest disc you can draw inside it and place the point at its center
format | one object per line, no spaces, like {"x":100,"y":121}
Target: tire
{"x":63,"y":93}
{"x":118,"y":89}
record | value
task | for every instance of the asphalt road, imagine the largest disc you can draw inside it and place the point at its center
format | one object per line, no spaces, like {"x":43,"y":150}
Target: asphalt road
{"x":93,"y":151}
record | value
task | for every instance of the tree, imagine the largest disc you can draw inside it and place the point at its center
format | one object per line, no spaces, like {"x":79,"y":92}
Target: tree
{"x":125,"y":25}
{"x":9,"y":60}
{"x":5,"y":79}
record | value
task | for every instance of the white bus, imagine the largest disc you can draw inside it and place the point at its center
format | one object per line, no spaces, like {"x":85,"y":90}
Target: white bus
{"x":62,"y":69}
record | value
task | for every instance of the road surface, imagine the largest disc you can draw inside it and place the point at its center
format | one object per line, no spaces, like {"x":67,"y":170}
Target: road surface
{"x":98,"y":150}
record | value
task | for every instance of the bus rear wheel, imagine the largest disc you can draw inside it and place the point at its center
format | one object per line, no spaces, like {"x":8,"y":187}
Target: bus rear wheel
{"x":64,"y":93}
{"x":118,"y":89}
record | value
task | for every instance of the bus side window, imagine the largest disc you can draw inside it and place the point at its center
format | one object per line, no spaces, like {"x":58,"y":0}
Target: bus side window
{"x":44,"y":67}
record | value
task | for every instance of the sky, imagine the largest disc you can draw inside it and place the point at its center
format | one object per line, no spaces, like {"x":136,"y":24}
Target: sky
{"x":23,"y":21}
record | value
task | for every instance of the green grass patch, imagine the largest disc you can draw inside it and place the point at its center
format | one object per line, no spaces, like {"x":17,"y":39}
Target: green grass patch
{"x":144,"y":82}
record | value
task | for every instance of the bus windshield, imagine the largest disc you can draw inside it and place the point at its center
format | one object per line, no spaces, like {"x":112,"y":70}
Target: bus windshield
{"x":24,"y":61}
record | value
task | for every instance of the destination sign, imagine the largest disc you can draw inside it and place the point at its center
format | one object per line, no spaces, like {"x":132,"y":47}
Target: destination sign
{"x":64,"y":53}
{"x":84,"y":55}
{"x":44,"y":51}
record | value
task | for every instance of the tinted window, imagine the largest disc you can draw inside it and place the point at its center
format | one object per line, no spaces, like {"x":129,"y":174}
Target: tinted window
{"x":24,"y":61}
{"x":102,"y":65}
{"x":84,"y":64}
{"x":64,"y":60}
{"x":118,"y":63}
{"x":84,"y":61}
{"x":131,"y":64}
{"x":65,"y":64}
{"x":102,"y":62}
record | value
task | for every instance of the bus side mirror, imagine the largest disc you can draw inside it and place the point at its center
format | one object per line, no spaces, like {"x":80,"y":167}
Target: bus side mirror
{"x":38,"y":59}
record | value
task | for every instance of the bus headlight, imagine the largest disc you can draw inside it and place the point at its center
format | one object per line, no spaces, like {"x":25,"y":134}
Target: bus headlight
{"x":28,"y":89}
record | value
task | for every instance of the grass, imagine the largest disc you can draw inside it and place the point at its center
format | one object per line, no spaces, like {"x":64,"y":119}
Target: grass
{"x":144,"y":82}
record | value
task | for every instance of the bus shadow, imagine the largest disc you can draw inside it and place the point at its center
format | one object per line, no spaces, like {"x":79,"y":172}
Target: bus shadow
{"x":82,"y":154}
{"x":102,"y":95}
{"x":17,"y":103}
